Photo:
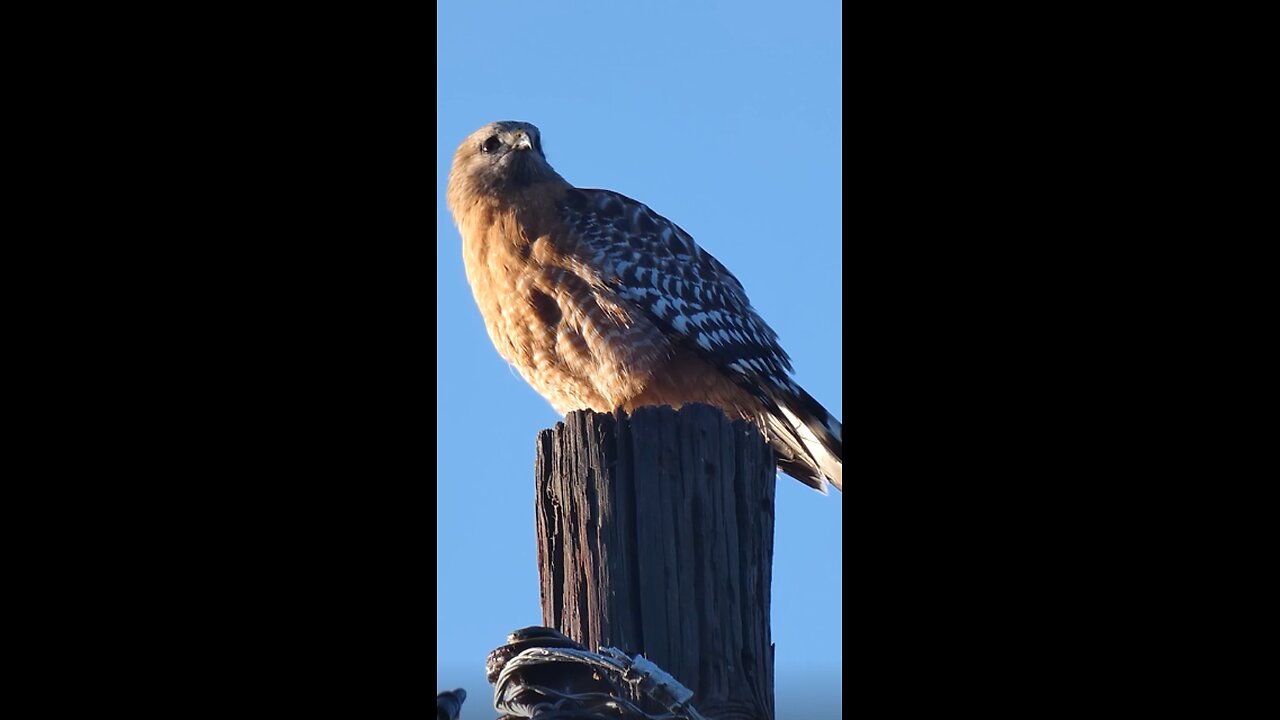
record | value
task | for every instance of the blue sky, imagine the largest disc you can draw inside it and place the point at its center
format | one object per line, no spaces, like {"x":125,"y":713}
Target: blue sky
{"x":725,"y":118}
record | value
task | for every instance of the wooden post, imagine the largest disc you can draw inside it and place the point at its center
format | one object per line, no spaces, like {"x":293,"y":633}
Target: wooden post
{"x":655,"y":536}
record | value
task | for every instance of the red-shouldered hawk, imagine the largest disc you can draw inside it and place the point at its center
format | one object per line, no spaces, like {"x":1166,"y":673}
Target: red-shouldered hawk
{"x":602,"y":304}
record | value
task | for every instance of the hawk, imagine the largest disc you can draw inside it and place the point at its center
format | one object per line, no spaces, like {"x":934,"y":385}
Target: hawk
{"x":602,"y":304}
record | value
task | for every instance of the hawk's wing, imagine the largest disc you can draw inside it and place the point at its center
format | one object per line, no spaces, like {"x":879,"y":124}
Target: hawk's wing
{"x":657,"y":267}
{"x":650,"y":262}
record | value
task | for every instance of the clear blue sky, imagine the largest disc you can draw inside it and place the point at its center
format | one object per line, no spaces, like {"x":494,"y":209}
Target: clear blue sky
{"x":724,"y":117}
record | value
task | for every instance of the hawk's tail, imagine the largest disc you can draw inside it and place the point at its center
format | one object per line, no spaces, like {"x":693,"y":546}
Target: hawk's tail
{"x":807,"y":439}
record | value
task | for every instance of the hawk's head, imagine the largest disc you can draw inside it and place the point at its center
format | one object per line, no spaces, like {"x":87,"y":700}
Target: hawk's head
{"x":498,"y":158}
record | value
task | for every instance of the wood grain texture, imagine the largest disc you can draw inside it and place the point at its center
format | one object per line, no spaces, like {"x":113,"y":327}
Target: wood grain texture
{"x":655,"y":535}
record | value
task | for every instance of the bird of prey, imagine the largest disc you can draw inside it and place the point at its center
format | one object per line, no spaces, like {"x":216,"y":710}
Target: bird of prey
{"x":602,"y":304}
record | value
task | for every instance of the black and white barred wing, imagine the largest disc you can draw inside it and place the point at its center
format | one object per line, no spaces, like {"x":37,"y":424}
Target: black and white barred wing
{"x":652,"y":263}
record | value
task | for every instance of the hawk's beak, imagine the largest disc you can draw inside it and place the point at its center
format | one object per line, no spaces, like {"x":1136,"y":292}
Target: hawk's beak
{"x":521,"y":141}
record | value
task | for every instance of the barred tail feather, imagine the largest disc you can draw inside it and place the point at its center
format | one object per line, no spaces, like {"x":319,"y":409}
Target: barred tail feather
{"x":808,"y":440}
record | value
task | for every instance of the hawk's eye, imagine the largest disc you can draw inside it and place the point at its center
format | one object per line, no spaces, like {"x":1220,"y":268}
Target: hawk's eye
{"x":491,"y":144}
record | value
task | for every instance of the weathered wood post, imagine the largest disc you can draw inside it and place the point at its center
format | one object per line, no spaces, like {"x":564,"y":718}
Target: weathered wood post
{"x":655,"y":535}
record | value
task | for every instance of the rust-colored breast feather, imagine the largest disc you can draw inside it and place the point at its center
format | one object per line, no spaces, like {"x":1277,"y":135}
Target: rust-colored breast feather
{"x":555,"y":319}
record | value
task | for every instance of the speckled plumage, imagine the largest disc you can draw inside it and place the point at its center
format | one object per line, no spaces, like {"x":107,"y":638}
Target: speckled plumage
{"x":600,"y":303}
